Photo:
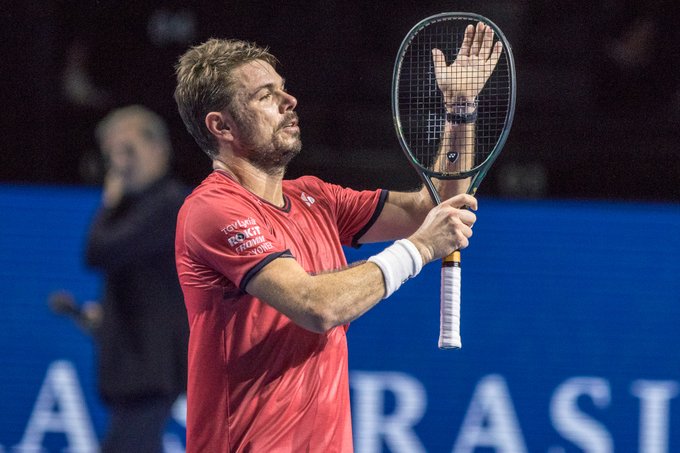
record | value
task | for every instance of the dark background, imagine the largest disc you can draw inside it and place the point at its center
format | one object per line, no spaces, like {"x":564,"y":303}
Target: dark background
{"x":598,"y":92}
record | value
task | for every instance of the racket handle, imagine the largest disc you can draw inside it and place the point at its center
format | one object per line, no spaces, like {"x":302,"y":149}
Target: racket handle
{"x":449,"y":316}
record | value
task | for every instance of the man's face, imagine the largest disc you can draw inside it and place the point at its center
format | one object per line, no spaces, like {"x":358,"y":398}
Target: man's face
{"x":131,"y":156}
{"x":266,"y":124}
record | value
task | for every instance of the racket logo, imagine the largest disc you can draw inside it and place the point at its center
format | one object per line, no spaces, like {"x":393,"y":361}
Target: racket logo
{"x":452,"y":156}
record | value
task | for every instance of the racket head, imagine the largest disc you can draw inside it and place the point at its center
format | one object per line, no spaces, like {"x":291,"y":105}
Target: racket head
{"x":418,"y":107}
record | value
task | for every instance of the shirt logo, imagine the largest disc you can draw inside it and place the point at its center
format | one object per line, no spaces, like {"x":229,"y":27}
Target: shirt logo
{"x":309,"y":200}
{"x":244,"y":236}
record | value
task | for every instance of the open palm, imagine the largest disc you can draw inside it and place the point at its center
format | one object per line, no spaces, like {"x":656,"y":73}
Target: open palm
{"x":462,"y":80}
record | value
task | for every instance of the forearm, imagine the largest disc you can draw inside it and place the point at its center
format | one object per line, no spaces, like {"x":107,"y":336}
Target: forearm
{"x":402,"y":214}
{"x":456,"y":155}
{"x":319,"y":302}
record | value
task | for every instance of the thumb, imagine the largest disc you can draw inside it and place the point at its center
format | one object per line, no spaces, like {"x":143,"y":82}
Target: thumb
{"x":438,"y":59}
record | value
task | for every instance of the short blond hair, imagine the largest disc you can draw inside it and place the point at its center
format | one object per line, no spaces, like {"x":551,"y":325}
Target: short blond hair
{"x":205,"y":83}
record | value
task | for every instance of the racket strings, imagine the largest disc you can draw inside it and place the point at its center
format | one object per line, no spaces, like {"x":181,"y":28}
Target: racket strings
{"x":422,"y":112}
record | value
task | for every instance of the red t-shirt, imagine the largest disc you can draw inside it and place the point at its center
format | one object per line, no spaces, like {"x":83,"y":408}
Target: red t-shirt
{"x":257,"y":381}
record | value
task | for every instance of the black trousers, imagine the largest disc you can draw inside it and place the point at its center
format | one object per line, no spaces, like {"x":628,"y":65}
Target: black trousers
{"x":138,"y":426}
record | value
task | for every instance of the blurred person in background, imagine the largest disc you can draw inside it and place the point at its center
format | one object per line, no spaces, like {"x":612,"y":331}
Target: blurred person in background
{"x":142,"y":328}
{"x":117,"y":54}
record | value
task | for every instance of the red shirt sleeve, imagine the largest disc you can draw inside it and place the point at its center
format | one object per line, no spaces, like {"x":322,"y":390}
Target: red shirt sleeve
{"x":231,"y":238}
{"x":355,"y":211}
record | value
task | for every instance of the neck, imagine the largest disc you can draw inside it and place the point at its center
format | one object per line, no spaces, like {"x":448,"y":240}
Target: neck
{"x":266,"y":185}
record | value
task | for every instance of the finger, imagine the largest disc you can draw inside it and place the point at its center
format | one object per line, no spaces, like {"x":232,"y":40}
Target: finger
{"x":477,"y":40}
{"x":495,"y":56}
{"x":462,"y":201}
{"x":467,"y":217}
{"x":487,"y":43}
{"x":461,"y":242}
{"x":439,"y":61}
{"x":465,"y":231}
{"x":467,"y":41}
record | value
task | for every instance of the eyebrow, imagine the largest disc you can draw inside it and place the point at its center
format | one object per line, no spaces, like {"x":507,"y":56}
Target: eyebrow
{"x":270,"y":86}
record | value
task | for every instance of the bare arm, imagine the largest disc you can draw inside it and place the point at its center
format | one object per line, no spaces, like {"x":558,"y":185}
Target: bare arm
{"x":320,"y":302}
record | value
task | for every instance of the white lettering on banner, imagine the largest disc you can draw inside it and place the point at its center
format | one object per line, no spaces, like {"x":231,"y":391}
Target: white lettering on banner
{"x":574,"y":425}
{"x":60,"y":408}
{"x":179,"y":410}
{"x":654,"y":413}
{"x":372,"y":425}
{"x":490,"y":420}
{"x":172,"y":443}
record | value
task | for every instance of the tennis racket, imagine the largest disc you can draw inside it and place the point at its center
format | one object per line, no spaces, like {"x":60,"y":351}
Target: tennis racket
{"x":453,"y":100}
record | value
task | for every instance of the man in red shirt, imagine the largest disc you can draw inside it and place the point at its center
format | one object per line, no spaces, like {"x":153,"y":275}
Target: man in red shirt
{"x":266,"y":285}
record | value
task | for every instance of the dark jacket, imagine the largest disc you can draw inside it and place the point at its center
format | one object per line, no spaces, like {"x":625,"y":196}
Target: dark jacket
{"x":144,"y":334}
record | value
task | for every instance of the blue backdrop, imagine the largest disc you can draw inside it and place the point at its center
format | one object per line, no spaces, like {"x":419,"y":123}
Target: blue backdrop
{"x":569,"y":324}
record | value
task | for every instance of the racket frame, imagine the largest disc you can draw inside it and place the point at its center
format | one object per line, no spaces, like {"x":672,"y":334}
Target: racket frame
{"x":477,"y":172}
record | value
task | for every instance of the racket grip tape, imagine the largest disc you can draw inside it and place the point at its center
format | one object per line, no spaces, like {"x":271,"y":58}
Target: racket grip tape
{"x":449,"y":317}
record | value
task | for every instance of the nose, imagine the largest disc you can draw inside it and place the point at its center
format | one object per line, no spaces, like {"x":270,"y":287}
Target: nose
{"x":288,"y":102}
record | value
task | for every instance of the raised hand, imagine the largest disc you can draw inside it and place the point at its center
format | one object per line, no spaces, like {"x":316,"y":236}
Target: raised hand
{"x":462,"y":80}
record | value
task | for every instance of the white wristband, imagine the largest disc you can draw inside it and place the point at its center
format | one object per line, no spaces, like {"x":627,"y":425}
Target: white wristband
{"x":398,"y":262}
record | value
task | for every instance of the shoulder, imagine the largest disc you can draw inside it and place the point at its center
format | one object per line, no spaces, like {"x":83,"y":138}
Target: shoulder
{"x":217,"y":199}
{"x":313,"y":185}
{"x":305,"y":182}
{"x":214,"y":189}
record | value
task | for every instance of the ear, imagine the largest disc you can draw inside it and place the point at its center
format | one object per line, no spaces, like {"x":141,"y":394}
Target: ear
{"x":220,"y":125}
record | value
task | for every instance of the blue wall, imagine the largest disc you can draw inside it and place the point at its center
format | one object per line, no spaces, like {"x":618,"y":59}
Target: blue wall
{"x":569,"y":324}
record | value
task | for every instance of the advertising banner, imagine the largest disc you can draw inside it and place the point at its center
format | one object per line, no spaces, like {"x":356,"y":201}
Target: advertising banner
{"x":570,"y":328}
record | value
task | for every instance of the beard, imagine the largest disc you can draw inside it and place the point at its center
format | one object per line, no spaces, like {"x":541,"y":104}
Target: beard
{"x":271,"y":154}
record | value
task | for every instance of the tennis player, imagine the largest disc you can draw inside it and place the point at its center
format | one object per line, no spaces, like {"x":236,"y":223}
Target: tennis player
{"x":267,"y":288}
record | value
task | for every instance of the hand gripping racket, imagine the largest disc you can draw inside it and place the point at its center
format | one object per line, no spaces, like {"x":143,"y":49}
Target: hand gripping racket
{"x":453,"y":100}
